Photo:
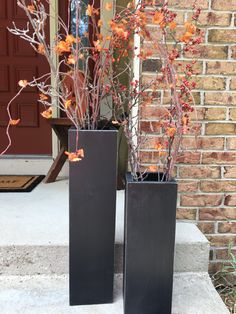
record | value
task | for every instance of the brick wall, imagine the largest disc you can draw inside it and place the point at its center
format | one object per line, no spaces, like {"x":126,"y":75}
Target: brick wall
{"x":207,"y":176}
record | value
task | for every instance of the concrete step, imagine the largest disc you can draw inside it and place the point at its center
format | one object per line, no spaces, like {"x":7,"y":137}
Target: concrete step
{"x":191,"y":254}
{"x":34,"y":234}
{"x":193,"y":293}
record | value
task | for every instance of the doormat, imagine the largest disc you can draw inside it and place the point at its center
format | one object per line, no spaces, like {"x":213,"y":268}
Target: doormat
{"x":19,"y":183}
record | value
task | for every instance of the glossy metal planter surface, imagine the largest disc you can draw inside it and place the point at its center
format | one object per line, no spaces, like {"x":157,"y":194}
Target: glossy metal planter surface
{"x":92,"y":191}
{"x":150,"y":220}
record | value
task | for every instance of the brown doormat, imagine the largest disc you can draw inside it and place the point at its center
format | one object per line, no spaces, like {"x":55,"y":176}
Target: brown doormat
{"x":19,"y":183}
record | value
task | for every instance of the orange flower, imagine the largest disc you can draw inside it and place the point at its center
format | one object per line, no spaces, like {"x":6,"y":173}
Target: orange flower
{"x":158,"y":17}
{"x":71,"y":59}
{"x":43,"y":97}
{"x":97,"y":45}
{"x":191,"y":28}
{"x":100,"y":23}
{"x":171,"y":131}
{"x":76,"y":156}
{"x":47,"y":114}
{"x":41,"y":49}
{"x":62,"y":46}
{"x":172,"y":25}
{"x":70,"y":39}
{"x":31,"y":8}
{"x":89,"y":10}
{"x":152,"y":168}
{"x":108,"y":6}
{"x":23,"y":83}
{"x":14,"y":122}
{"x":67,"y":103}
{"x":186,"y":37}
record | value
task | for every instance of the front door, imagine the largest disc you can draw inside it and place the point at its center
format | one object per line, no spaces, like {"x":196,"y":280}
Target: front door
{"x":19,"y":61}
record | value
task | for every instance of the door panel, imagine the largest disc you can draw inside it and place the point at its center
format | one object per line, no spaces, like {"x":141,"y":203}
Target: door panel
{"x":19,"y":61}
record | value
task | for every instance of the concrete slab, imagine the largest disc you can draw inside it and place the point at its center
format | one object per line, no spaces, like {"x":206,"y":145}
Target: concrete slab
{"x":34,"y":233}
{"x":193,"y":294}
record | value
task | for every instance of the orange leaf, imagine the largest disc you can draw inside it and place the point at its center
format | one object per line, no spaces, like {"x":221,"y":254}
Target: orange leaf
{"x":31,"y":8}
{"x":89,"y":10}
{"x":43,"y":97}
{"x":71,"y":59}
{"x":14,"y":122}
{"x":172,"y":25}
{"x":152,"y":168}
{"x":158,"y":17}
{"x":47,"y":114}
{"x":70,"y":39}
{"x":108,"y":6}
{"x":67,"y":103}
{"x":62,"y":46}
{"x":75,"y":156}
{"x":100,"y":23}
{"x":41,"y":49}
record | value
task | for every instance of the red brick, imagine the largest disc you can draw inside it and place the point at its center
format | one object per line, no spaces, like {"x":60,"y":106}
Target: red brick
{"x":219,"y":158}
{"x":221,"y":240}
{"x":224,"y":254}
{"x":227,"y":227}
{"x":230,"y":200}
{"x":200,"y":200}
{"x":231,"y":143}
{"x":214,"y":19}
{"x":217,"y":213}
{"x":189,"y":157}
{"x":206,"y":227}
{"x":202,"y":142}
{"x":220,"y":129}
{"x":183,"y":4}
{"x":206,"y":52}
{"x":218,"y":186}
{"x":187,"y":186}
{"x":215,"y":113}
{"x":199,"y":172}
{"x":230,"y":172}
{"x":222,"y":5}
{"x":222,"y":36}
{"x":221,"y":67}
{"x":186,"y":213}
{"x":220,"y":99}
{"x":150,"y":127}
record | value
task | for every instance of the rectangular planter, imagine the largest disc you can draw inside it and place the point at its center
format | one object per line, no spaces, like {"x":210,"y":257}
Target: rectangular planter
{"x":92,"y":199}
{"x":150,"y":218}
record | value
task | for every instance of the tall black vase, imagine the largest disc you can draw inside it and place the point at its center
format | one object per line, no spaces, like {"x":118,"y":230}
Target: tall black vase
{"x":150,"y":218}
{"x":92,"y":202}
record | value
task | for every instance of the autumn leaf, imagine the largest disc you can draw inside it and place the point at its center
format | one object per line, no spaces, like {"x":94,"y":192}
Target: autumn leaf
{"x":89,"y":10}
{"x":152,"y":168}
{"x":108,"y":6}
{"x":75,"y":156}
{"x":14,"y":122}
{"x":41,"y":49}
{"x":31,"y":8}
{"x":171,"y":131}
{"x":158,"y":17}
{"x":71,"y":59}
{"x":67,"y":103}
{"x":172,"y":25}
{"x":47,"y":114}
{"x":100,"y":23}
{"x":70,"y":39}
{"x":62,"y":46}
{"x":43,"y":97}
{"x":23,"y":83}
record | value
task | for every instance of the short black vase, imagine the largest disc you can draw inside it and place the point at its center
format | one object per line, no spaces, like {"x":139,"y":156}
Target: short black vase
{"x":92,"y":202}
{"x":150,"y":219}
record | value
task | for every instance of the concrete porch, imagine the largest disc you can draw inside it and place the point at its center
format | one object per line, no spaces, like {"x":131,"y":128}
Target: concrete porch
{"x":34,"y":258}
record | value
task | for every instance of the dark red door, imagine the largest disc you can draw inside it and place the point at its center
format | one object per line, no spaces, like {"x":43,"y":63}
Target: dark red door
{"x":19,"y":61}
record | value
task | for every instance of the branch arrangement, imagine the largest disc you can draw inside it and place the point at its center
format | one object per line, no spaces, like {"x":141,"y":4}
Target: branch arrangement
{"x":88,"y":73}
